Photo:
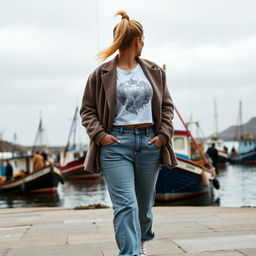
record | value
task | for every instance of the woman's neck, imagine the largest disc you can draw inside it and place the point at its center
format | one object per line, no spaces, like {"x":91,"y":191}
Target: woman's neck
{"x":127,"y":60}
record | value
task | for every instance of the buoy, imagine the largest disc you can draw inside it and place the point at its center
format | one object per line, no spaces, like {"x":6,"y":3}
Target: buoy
{"x":216,"y":183}
{"x":205,"y":179}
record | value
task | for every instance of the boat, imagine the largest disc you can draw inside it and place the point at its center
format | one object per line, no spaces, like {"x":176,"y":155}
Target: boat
{"x":189,"y":178}
{"x":72,"y":158}
{"x":74,"y":169}
{"x":44,"y":180}
{"x":25,"y":178}
{"x":219,"y":145}
{"x":246,"y":153}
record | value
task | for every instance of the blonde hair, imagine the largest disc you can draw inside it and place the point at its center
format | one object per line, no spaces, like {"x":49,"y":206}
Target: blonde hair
{"x":123,"y":34}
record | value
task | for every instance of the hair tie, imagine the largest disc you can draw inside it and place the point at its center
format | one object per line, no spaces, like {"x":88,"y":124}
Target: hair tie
{"x":125,"y":17}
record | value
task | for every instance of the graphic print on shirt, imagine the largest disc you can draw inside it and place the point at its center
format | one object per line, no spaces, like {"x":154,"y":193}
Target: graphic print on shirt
{"x":134,"y":95}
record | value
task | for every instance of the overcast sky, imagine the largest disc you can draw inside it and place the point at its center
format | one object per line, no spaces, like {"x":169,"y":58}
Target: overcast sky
{"x":47,"y":51}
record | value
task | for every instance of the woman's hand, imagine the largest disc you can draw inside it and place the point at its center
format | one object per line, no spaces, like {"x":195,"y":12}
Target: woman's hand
{"x":108,"y":139}
{"x":157,"y":141}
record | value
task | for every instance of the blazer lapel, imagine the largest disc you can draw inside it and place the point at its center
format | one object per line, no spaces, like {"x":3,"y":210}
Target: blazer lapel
{"x":109,"y":77}
{"x":154,"y":76}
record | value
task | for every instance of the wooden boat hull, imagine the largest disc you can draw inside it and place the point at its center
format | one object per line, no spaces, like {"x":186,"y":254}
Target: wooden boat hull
{"x":244,"y":158}
{"x":180,"y":182}
{"x":223,"y":158}
{"x":75,"y":170}
{"x":45,"y":180}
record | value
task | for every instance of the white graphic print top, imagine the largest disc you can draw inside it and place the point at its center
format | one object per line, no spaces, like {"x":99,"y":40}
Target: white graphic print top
{"x":133,"y":97}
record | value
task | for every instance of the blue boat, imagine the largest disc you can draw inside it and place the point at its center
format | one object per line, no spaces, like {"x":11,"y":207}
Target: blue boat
{"x":188,"y":179}
{"x":247,"y":144}
{"x":246,"y":151}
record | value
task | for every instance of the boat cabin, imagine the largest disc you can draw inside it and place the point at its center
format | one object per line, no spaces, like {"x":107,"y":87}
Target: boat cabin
{"x":247,"y":143}
{"x":181,"y":144}
{"x":71,"y":155}
{"x":219,"y":144}
{"x":19,"y":163}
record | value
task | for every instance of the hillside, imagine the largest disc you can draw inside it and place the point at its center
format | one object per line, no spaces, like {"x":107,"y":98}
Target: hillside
{"x":6,"y":146}
{"x":233,"y":131}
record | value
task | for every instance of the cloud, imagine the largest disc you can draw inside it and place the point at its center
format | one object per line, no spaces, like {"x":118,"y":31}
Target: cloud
{"x":47,"y":51}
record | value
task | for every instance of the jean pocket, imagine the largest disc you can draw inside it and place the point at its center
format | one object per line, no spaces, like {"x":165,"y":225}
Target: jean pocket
{"x":109,"y":144}
{"x":155,"y":145}
{"x":152,"y":147}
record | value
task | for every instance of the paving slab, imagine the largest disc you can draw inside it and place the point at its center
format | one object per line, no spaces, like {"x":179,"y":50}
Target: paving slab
{"x":58,"y":250}
{"x":180,"y":231}
{"x":248,"y":252}
{"x":3,"y":251}
{"x":35,"y":242}
{"x":217,"y":243}
{"x":214,"y":253}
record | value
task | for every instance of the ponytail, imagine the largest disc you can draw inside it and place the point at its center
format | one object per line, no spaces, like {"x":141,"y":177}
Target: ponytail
{"x":124,"y":32}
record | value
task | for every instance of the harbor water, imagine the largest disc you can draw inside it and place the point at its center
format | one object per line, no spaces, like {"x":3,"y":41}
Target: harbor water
{"x":237,"y":188}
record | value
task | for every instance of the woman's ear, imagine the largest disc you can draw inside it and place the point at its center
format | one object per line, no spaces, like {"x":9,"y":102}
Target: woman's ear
{"x":137,"y":41}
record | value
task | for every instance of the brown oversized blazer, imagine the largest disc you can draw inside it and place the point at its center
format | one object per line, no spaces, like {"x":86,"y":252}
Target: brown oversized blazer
{"x":99,"y":105}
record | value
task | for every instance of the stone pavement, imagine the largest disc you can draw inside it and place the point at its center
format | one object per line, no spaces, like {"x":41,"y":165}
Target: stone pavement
{"x":181,"y":231}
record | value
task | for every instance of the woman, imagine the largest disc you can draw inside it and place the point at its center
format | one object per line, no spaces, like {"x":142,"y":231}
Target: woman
{"x":127,"y":112}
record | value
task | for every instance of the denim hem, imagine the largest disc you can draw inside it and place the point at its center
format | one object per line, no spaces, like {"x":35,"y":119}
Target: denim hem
{"x":137,"y":254}
{"x":149,"y":239}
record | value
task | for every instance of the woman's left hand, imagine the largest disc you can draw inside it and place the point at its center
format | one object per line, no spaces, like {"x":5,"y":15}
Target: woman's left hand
{"x":157,"y":141}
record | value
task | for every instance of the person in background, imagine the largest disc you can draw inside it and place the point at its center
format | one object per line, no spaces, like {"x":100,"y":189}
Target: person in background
{"x":9,"y":171}
{"x":225,"y":148}
{"x":233,"y":151}
{"x":57,"y":158}
{"x":127,"y":112}
{"x":38,"y":162}
{"x":45,"y":157}
{"x":212,"y":152}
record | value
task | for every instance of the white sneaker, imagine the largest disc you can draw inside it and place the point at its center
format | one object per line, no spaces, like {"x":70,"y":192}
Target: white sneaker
{"x":143,"y":249}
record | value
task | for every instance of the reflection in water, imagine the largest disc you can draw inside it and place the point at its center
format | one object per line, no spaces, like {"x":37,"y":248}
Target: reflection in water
{"x":237,"y":186}
{"x":205,"y":199}
{"x":72,"y":193}
{"x":15,"y":200}
{"x":84,"y":192}
{"x":237,"y":189}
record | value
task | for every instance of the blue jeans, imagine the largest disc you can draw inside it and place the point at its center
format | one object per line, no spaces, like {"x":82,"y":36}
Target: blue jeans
{"x":130,"y":169}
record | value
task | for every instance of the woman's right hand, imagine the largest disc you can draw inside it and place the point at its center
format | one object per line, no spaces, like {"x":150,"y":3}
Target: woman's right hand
{"x":108,"y":139}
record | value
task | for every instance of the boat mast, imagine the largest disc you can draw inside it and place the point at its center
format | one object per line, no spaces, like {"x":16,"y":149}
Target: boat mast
{"x":240,"y":121}
{"x":72,"y":131}
{"x":239,"y":125}
{"x":14,"y":144}
{"x":1,"y":140}
{"x":216,"y":119}
{"x":39,"y":135}
{"x":1,"y":144}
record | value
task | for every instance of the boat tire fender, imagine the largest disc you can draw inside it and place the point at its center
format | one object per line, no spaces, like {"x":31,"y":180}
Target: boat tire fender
{"x":216,"y":183}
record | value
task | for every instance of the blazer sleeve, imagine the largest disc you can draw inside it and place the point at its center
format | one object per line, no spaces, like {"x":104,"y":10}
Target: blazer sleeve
{"x":166,"y":130}
{"x":88,"y":111}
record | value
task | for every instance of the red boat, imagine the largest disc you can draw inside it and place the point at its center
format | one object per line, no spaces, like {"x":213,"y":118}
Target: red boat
{"x":72,"y":159}
{"x":75,"y":170}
